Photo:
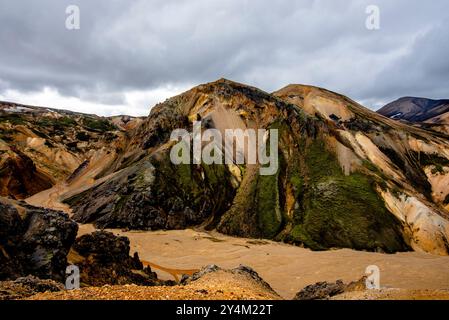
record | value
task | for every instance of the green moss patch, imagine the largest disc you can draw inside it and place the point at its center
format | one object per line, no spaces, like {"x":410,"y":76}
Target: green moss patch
{"x":102,"y":125}
{"x":57,"y":123}
{"x":267,"y":202}
{"x":14,"y":119}
{"x":342,"y":211}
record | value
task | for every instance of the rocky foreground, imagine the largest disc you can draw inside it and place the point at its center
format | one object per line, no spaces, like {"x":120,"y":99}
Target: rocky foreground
{"x":210,"y":283}
{"x":37,"y":244}
{"x":239,"y":285}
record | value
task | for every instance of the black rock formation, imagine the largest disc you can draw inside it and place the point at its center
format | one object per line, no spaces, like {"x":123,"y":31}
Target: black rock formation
{"x":105,"y":260}
{"x":35,"y":241}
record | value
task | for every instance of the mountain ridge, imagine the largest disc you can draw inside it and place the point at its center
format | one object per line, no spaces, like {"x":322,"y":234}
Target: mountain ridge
{"x":348,"y":177}
{"x":426,"y":113}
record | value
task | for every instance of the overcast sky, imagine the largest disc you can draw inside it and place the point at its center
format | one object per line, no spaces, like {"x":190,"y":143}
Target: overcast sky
{"x":129,"y":55}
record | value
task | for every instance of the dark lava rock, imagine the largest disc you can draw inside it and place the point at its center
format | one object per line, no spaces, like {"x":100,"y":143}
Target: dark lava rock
{"x":104,"y":245}
{"x":320,"y":290}
{"x":11,"y":229}
{"x":248,"y":271}
{"x":155,"y":194}
{"x":36,"y":241}
{"x":203,"y":271}
{"x":106,"y":260}
{"x":47,"y":242}
{"x":27,"y":286}
{"x":325,"y":290}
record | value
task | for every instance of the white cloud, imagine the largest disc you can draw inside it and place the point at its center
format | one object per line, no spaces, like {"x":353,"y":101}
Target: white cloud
{"x":137,"y":102}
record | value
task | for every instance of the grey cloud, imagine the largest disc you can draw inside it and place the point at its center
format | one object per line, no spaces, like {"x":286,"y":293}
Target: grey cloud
{"x":143,"y":45}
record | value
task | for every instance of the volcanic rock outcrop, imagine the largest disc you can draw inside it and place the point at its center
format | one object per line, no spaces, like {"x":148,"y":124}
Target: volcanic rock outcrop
{"x":325,"y":290}
{"x":103,"y":258}
{"x":34,"y":241}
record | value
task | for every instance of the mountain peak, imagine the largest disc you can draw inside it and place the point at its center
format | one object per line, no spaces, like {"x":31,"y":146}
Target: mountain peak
{"x":435,"y":113}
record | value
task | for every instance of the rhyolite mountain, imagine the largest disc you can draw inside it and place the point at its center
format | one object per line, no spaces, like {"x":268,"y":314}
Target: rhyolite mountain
{"x":348,"y":177}
{"x":41,"y":146}
{"x":427,"y":113}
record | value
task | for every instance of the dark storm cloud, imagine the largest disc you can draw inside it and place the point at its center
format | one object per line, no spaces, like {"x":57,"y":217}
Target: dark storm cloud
{"x":143,"y":45}
{"x":422,"y":71}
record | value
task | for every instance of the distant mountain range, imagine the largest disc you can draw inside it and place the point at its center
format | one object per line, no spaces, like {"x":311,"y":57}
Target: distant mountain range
{"x":348,"y":177}
{"x":428,"y":113}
